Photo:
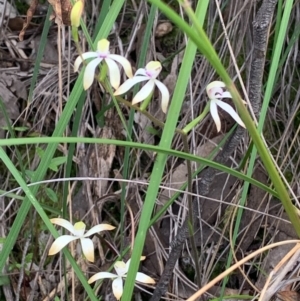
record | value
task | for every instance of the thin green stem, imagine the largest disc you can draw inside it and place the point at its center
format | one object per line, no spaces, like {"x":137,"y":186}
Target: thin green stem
{"x":197,"y":120}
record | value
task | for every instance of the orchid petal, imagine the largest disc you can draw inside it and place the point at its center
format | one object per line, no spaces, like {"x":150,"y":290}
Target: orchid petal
{"x":226,"y":94}
{"x":214,"y":113}
{"x":98,"y":228}
{"x":60,"y":243}
{"x":124,"y":62}
{"x":129,"y":83}
{"x":141,"y":277}
{"x":128,"y":262}
{"x":63,"y":223}
{"x":87,"y":249}
{"x":165,"y":95}
{"x":114,"y":73}
{"x":153,"y":69}
{"x":215,"y":89}
{"x":141,"y":71}
{"x":215,"y":84}
{"x":84,"y":56}
{"x":215,"y":93}
{"x":103,"y":46}
{"x":229,"y":109}
{"x":117,"y":286}
{"x":101,"y":275}
{"x":144,"y":92}
{"x":121,"y":268}
{"x":127,"y":265}
{"x":89,"y":73}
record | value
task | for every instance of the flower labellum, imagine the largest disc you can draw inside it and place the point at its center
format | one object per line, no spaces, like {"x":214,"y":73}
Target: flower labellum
{"x":78,"y":233}
{"x":215,"y":91}
{"x":103,"y":54}
{"x":149,"y":74}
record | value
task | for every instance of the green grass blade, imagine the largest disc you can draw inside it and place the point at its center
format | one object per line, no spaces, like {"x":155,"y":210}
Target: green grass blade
{"x":18,"y":223}
{"x":60,"y":128}
{"x":267,"y":97}
{"x":147,"y":147}
{"x":161,"y":159}
{"x":127,"y":160}
{"x":40,"y":53}
{"x":199,"y":37}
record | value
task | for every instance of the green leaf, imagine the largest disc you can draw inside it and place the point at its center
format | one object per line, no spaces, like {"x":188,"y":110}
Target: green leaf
{"x":51,"y":194}
{"x":29,"y":174}
{"x":4,"y":280}
{"x":16,"y":129}
{"x":56,"y":162}
{"x":40,"y":152}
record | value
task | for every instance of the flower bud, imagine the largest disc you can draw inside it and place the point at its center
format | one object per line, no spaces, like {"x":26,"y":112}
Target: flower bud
{"x":76,"y":13}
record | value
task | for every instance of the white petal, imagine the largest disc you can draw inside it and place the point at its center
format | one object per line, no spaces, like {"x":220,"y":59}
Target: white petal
{"x":141,"y":71}
{"x":124,"y":62}
{"x":214,"y":113}
{"x":101,"y":275}
{"x":144,"y":92}
{"x":215,"y":93}
{"x":89,"y":54}
{"x":64,"y":223}
{"x":117,"y":287}
{"x":165,"y":95}
{"x":121,"y":268}
{"x":129,"y":84}
{"x":60,"y":243}
{"x":141,"y":277}
{"x":153,"y":69}
{"x":128,"y":263}
{"x":98,"y":228}
{"x":229,"y":109}
{"x":77,"y":63}
{"x":89,"y":73}
{"x":87,"y":248}
{"x":114,"y":73}
{"x":215,"y":84}
{"x":85,"y":56}
{"x":226,"y":94}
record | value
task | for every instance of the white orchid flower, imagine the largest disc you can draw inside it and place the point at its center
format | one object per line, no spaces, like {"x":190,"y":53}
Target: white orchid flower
{"x":215,"y":93}
{"x":103,"y":54}
{"x":122,"y":269}
{"x":149,"y":73}
{"x":78,"y":233}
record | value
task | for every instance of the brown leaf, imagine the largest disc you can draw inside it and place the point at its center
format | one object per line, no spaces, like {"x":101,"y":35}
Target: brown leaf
{"x":30,"y":13}
{"x":288,"y":296}
{"x":61,"y":14}
{"x":62,"y":10}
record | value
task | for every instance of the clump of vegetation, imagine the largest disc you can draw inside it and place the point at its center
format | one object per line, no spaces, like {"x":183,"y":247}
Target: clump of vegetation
{"x":126,"y":125}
